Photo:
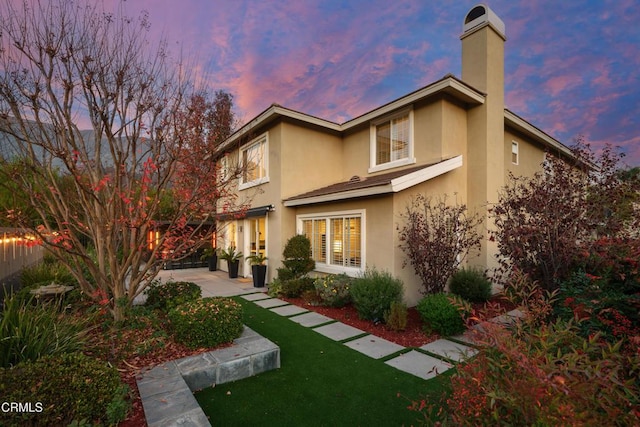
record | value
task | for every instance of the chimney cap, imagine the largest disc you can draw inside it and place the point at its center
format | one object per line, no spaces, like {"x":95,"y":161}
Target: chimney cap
{"x":478,"y":17}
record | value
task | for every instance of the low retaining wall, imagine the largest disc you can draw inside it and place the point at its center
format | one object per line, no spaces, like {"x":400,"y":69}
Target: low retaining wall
{"x":167,"y":390}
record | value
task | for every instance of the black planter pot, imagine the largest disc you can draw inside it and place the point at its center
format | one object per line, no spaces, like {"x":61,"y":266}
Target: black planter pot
{"x":213,"y":263}
{"x":259,"y":273}
{"x":233,"y":268}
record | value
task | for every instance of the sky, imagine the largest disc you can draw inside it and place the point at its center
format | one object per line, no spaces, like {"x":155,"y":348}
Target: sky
{"x":572,"y":67}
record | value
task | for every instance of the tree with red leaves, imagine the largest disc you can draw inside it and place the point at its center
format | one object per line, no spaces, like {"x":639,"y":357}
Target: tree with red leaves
{"x":546,"y":223}
{"x":147,"y":160}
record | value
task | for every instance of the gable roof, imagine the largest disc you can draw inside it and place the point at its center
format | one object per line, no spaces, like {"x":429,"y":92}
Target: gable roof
{"x":449,"y":85}
{"x":386,"y":183}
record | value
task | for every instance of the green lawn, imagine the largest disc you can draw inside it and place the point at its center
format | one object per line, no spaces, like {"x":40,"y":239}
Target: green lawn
{"x":320,"y":383}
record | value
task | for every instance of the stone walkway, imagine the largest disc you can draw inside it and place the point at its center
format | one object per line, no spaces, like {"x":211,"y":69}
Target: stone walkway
{"x":425,"y":362}
{"x":166,"y":390}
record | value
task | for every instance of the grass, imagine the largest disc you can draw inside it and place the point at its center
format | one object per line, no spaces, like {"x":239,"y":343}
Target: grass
{"x":320,"y":382}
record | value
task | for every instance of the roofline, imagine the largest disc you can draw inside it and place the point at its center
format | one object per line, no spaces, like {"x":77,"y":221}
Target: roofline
{"x":394,"y":186}
{"x":530,"y":130}
{"x":448,"y":84}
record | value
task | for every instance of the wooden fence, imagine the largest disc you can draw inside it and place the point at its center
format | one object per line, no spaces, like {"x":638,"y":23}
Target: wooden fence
{"x":17,"y":250}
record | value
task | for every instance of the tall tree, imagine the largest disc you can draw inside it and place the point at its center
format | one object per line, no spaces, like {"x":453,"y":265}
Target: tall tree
{"x":98,"y":194}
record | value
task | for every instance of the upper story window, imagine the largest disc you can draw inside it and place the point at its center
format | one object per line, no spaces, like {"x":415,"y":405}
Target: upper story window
{"x":254,"y":162}
{"x":392,"y":141}
{"x":514,"y":153}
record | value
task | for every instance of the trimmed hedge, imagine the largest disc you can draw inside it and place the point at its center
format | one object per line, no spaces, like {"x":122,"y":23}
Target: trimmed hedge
{"x":166,"y":296}
{"x":441,"y":315}
{"x":373,"y":292}
{"x":62,"y":389}
{"x":206,"y":322}
{"x":471,"y":285}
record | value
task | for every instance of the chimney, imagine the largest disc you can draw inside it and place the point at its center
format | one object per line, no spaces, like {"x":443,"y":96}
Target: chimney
{"x":483,"y":40}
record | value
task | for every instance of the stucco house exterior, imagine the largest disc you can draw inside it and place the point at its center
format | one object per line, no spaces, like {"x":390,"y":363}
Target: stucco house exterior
{"x":345,"y":185}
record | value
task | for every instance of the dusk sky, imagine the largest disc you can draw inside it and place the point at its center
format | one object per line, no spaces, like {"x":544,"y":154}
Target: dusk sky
{"x":572,"y":67}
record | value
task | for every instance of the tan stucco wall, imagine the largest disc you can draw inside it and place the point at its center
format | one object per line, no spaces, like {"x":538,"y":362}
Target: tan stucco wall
{"x":453,"y":187}
{"x":378,"y":226}
{"x":530,"y":155}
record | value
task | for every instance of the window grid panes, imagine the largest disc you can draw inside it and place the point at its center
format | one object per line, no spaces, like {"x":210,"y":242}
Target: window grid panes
{"x":392,"y":140}
{"x":344,"y":237}
{"x":253,"y":162}
{"x":316,"y":232}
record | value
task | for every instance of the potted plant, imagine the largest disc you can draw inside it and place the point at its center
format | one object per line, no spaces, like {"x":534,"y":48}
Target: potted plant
{"x":211,"y":255}
{"x":233,"y":260}
{"x":258,"y":269}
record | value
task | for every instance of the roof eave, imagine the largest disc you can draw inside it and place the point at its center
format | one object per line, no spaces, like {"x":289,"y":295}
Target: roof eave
{"x":530,"y":130}
{"x":396,"y":185}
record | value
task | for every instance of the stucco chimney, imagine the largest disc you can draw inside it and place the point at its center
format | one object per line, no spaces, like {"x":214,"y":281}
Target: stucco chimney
{"x":483,"y":39}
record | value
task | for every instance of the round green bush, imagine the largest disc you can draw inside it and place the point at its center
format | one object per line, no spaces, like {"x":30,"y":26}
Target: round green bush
{"x":333,"y":289}
{"x":166,"y":296}
{"x":373,"y":292}
{"x":471,"y":284}
{"x":441,"y":315}
{"x":64,"y":388}
{"x":206,"y":322}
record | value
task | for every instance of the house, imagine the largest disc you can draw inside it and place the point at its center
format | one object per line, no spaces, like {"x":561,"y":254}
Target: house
{"x":345,"y":185}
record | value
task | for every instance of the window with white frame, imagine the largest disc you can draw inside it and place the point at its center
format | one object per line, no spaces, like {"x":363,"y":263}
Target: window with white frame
{"x":254,"y":158}
{"x":224,"y":167}
{"x":392,"y":141}
{"x":337,"y":240}
{"x":514,"y":152}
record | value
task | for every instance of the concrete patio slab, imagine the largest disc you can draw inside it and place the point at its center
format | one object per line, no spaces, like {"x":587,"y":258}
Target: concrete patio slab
{"x":255,"y":297}
{"x":338,"y":331}
{"x":450,"y":350}
{"x":271,"y":302}
{"x":310,"y":319}
{"x":289,"y":310}
{"x":373,"y":346}
{"x":419,"y":364}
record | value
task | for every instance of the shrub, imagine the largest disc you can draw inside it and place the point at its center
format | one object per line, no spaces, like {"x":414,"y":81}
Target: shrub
{"x":294,"y":288}
{"x":166,"y":296}
{"x":437,"y":237}
{"x":441,"y":314}
{"x":30,"y":331}
{"x":275,"y":288}
{"x":69,"y":387}
{"x":555,"y":377}
{"x":396,"y":317}
{"x":586,"y":201}
{"x":46,"y":273}
{"x":333,"y":289}
{"x":600,"y":307}
{"x":296,"y":258}
{"x":206,"y":322}
{"x":373,"y":292}
{"x":471,"y":285}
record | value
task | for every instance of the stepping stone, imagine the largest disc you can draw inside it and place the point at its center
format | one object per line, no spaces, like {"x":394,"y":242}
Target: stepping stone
{"x":450,"y":350}
{"x":374,"y":346}
{"x":289,"y":310}
{"x":272,"y":302}
{"x":255,"y":297}
{"x":338,"y":331}
{"x":419,"y":364}
{"x":311,"y":319}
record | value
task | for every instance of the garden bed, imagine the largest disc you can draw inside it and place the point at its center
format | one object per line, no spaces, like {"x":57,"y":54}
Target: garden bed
{"x":414,"y":334}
